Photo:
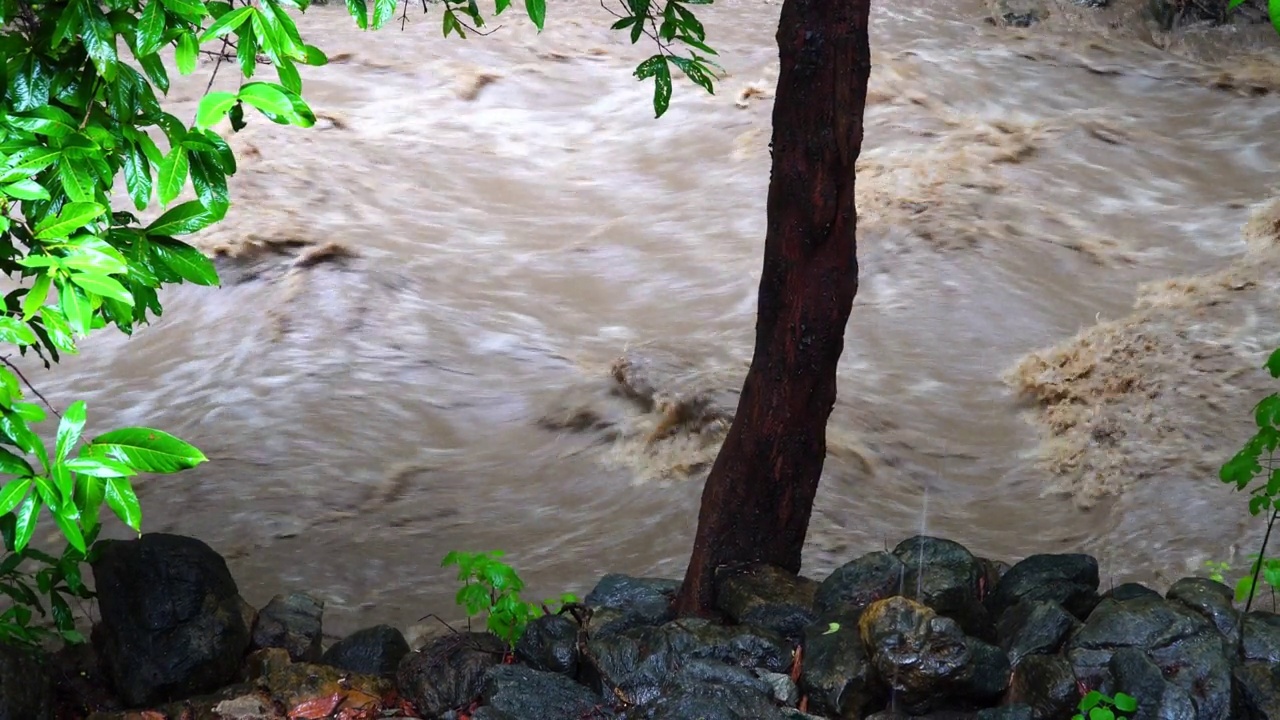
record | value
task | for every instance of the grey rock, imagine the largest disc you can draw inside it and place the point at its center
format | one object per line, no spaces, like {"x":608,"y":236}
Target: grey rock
{"x":292,"y":623}
{"x":945,"y":576}
{"x":1138,"y":677}
{"x":376,"y":650}
{"x":622,"y":602}
{"x":706,"y":701}
{"x":1006,"y":712}
{"x":1261,"y":637}
{"x":1259,"y":688}
{"x":767,"y":597}
{"x":923,"y":658}
{"x":1211,"y":599}
{"x":1018,"y":13}
{"x":835,"y":671}
{"x":1047,"y":685}
{"x":448,"y":672}
{"x":855,"y":585}
{"x":522,"y":693}
{"x":550,"y":643}
{"x":989,"y":673}
{"x":1129,"y":591}
{"x":781,"y":686}
{"x":173,"y":624}
{"x":26,"y":692}
{"x":1034,"y":627}
{"x":1070,"y":580}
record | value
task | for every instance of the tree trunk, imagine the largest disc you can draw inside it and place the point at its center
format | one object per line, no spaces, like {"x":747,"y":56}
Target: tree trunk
{"x":759,"y":495}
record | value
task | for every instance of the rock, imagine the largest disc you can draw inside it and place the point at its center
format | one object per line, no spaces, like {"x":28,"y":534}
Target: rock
{"x":1211,"y":599}
{"x":945,"y":576}
{"x":989,"y":673}
{"x":1018,"y":13}
{"x":292,"y":623}
{"x":1259,"y":687}
{"x":314,"y":691}
{"x":923,"y":658}
{"x":1129,"y":591}
{"x":1261,"y":637}
{"x":855,"y":585}
{"x":79,"y":684}
{"x":1186,"y":647}
{"x":716,"y":672}
{"x":781,"y":686}
{"x":1006,"y":712}
{"x":1046,"y":684}
{"x":767,"y":597}
{"x":705,"y":701}
{"x":1034,"y":627}
{"x":835,"y":671}
{"x":1137,"y":676}
{"x":172,"y":621}
{"x":633,"y":602}
{"x":523,"y":693}
{"x":448,"y":672}
{"x":377,"y":650}
{"x":26,"y":691}
{"x":550,"y":643}
{"x":1069,"y":580}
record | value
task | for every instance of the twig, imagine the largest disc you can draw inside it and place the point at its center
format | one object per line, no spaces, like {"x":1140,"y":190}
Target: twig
{"x":33,"y":389}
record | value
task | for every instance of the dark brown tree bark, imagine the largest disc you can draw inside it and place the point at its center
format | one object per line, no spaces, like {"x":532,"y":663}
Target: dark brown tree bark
{"x":759,"y":495}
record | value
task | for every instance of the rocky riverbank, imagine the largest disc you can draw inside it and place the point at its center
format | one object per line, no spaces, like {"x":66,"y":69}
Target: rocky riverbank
{"x":926,"y":630}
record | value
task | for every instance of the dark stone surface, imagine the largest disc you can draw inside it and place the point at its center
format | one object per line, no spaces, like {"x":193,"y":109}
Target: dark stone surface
{"x":1211,"y":599}
{"x":923,"y":658}
{"x":1034,"y":627}
{"x":835,"y":671}
{"x":1137,"y":676}
{"x":448,"y":672}
{"x":291,"y":622}
{"x":26,"y":691}
{"x":375,"y":650}
{"x":1261,"y":637}
{"x":855,"y":585}
{"x":1259,"y":689}
{"x":1046,"y":684}
{"x":172,"y":622}
{"x":622,"y":602}
{"x":522,"y":693}
{"x":550,"y":643}
{"x":945,"y":576}
{"x":767,"y":597}
{"x":1069,"y":580}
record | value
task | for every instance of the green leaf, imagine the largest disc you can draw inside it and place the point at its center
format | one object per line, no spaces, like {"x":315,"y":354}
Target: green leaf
{"x":173,"y":174}
{"x":267,"y":97}
{"x":69,"y":429}
{"x":360,"y":11}
{"x":15,"y":331}
{"x":73,"y":216}
{"x":1091,"y":700}
{"x":25,"y":527}
{"x":185,"y":261}
{"x":147,"y":450}
{"x":1125,"y":703}
{"x":124,"y":503}
{"x":289,"y":77}
{"x":107,"y":287}
{"x":186,"y":53}
{"x":537,"y":10}
{"x":28,"y":162}
{"x":210,"y":184}
{"x":68,"y":525}
{"x":58,"y":330}
{"x":149,"y":35}
{"x":99,"y":39}
{"x":11,"y":464}
{"x":153,"y":66}
{"x":13,"y":493}
{"x":1273,"y":9}
{"x":137,"y":175}
{"x":228,"y":23}
{"x":47,"y":120}
{"x":1273,"y":364}
{"x":35,"y":298}
{"x":183,"y":219}
{"x":694,"y":71}
{"x":99,"y":467}
{"x":315,"y":56}
{"x":213,"y":107}
{"x":192,"y":10}
{"x":27,"y":189}
{"x":656,"y":67}
{"x":383,"y":11}
{"x":76,"y":181}
{"x":1233,"y":4}
{"x":90,"y":494}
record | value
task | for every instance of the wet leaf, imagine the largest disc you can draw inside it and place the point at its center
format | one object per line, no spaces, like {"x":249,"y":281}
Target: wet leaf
{"x":146,"y":450}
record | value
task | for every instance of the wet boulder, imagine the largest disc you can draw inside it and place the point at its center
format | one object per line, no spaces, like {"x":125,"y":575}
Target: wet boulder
{"x":856,"y":584}
{"x":449,"y":672}
{"x":707,"y":701}
{"x":172,"y":621}
{"x":308,"y":690}
{"x":1129,"y":591}
{"x":1070,"y":580}
{"x":1018,"y":13}
{"x":1006,"y":712}
{"x":1138,"y":677}
{"x":1211,"y":599}
{"x":523,"y":693}
{"x":550,"y":643}
{"x":375,"y":650}
{"x":988,"y":675}
{"x":291,"y":622}
{"x":1259,"y":689}
{"x":923,"y":658}
{"x":767,"y":597}
{"x":1262,"y":637}
{"x":26,"y":692}
{"x":835,"y":670}
{"x":1034,"y":627}
{"x":622,"y":602}
{"x":1183,"y":644}
{"x":1046,"y":684}
{"x":945,"y":576}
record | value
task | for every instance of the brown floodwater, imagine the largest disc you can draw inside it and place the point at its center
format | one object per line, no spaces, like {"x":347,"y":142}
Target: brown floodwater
{"x":1055,"y":344}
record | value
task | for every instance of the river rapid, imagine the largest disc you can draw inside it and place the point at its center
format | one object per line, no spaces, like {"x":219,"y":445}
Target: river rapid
{"x":1068,"y":286}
